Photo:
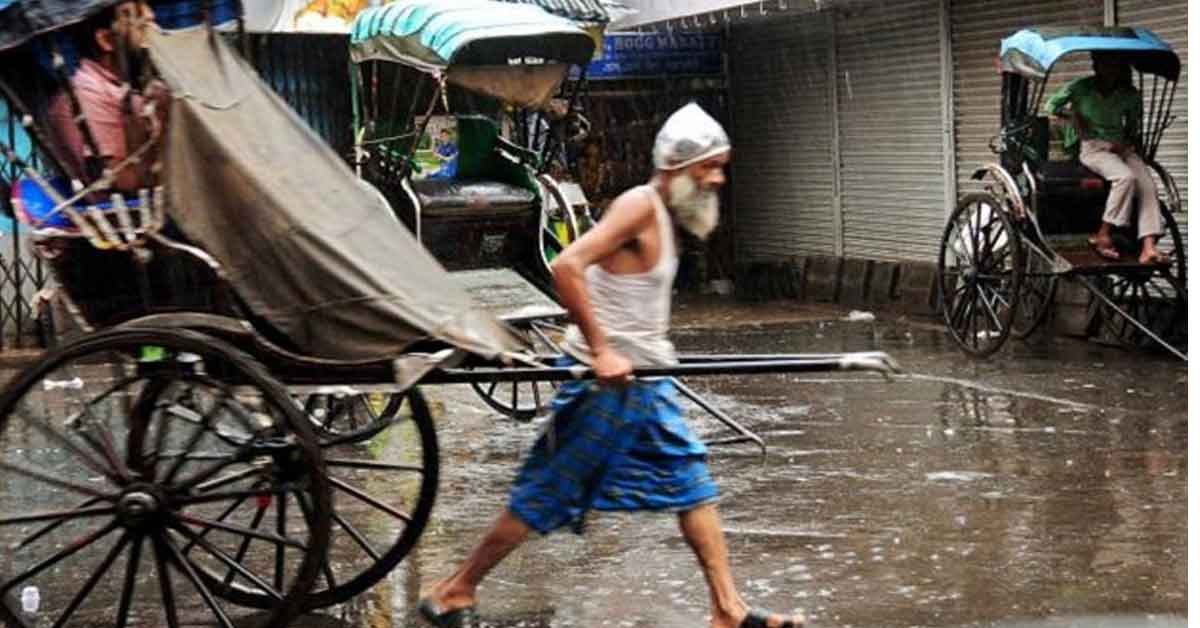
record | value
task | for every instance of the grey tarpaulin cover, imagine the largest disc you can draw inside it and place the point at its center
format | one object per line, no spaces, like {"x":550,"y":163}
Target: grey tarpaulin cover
{"x":308,"y":246}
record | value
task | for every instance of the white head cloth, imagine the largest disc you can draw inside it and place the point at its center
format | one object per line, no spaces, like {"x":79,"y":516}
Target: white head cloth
{"x":688,"y":137}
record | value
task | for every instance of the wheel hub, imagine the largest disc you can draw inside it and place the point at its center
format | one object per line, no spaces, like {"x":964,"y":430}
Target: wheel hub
{"x":138,"y":505}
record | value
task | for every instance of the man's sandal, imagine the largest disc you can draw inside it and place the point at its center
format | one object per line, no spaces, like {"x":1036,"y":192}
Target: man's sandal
{"x":1107,"y":251}
{"x":757,"y":618}
{"x":457,"y":618}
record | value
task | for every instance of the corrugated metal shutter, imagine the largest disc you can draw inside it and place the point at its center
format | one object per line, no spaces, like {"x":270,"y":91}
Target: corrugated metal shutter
{"x":782,"y":121}
{"x":308,"y":70}
{"x":977,"y":26}
{"x":581,"y":10}
{"x":1169,"y":21}
{"x":889,"y":93}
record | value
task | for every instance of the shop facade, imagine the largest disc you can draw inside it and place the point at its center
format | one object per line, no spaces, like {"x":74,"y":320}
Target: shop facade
{"x":857,"y":126}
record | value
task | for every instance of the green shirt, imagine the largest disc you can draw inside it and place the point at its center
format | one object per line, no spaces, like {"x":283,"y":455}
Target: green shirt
{"x":1115,"y":117}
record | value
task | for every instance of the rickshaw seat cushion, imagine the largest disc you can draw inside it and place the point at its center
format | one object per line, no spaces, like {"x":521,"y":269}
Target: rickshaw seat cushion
{"x":471,"y":198}
{"x":1069,"y":174}
{"x":35,"y":207}
{"x":1071,"y":197}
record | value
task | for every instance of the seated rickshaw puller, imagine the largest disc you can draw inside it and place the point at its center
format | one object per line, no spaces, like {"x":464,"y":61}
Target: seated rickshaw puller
{"x":620,"y":443}
{"x":1105,"y":112}
{"x":101,"y":94}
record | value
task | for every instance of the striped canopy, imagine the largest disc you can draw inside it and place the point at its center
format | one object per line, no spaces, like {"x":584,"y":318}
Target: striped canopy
{"x":436,"y":34}
{"x":1032,"y":52}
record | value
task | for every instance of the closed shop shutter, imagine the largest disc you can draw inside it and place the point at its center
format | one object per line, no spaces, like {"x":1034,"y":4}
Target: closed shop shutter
{"x":890,"y":123}
{"x":977,"y":26}
{"x":1168,"y":20}
{"x":782,"y":129}
{"x":309,"y":71}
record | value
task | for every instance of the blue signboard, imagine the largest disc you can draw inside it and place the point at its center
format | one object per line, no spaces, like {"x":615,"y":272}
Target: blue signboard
{"x":636,"y":55}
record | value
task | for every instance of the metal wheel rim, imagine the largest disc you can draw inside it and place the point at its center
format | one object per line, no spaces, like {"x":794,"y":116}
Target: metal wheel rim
{"x":978,"y":278}
{"x":547,"y":238}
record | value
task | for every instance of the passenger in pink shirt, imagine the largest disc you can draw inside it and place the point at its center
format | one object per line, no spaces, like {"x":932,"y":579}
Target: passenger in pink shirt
{"x":116,"y":129}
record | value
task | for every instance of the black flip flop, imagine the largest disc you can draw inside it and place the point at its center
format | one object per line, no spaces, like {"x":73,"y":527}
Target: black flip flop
{"x":757,"y":618}
{"x":457,"y":618}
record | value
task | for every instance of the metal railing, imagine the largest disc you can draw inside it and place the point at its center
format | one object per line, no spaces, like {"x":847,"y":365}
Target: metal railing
{"x":22,"y":274}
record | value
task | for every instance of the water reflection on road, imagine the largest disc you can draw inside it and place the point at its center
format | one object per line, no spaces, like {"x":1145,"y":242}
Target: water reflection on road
{"x":1047,"y":482}
{"x":1043,"y":487}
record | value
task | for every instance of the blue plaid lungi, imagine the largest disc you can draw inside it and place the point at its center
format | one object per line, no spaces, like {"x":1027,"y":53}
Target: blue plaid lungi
{"x":611,"y":449}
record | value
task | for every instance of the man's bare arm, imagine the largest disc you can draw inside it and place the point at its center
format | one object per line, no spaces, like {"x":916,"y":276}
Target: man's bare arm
{"x":628,"y":216}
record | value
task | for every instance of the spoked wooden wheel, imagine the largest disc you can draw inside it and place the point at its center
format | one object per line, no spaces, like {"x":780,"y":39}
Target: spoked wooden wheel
{"x":1038,"y":285}
{"x":979,"y":275}
{"x":1155,"y":296}
{"x":351,"y":416}
{"x":557,"y":227}
{"x":383,"y":494}
{"x":524,"y":401}
{"x":149,"y":478}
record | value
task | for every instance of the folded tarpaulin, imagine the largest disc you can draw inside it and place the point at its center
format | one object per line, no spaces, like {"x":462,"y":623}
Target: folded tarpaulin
{"x":309,"y":247}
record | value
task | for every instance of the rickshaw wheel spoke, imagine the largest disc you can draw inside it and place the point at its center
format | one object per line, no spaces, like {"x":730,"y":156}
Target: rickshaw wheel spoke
{"x":70,"y":550}
{"x":182,"y":564}
{"x":1035,"y":296}
{"x":166,"y":590}
{"x":91,"y":582}
{"x":130,"y":582}
{"x":357,"y":536}
{"x":234,"y":565}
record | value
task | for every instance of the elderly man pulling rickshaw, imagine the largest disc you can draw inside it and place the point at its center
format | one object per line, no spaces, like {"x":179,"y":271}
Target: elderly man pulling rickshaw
{"x":619,"y":443}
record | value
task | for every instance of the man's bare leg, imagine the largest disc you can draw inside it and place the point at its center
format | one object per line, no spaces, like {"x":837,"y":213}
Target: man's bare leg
{"x":458,"y":591}
{"x":701,"y":528}
{"x":1103,"y":242}
{"x":1150,"y":253}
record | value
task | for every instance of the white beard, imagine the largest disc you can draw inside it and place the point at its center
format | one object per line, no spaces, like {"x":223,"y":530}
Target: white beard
{"x":697,"y":209}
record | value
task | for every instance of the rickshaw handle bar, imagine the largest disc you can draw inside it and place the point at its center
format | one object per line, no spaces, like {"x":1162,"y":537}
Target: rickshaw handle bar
{"x":873,"y":361}
{"x":709,"y":358}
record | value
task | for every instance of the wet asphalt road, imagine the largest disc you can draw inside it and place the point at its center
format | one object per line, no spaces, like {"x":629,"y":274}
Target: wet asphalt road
{"x":1043,"y":487}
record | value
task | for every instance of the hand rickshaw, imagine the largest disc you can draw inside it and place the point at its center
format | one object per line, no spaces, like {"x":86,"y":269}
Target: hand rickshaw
{"x":497,"y":219}
{"x":161,"y":465}
{"x":1005,"y":248}
{"x":480,"y":64}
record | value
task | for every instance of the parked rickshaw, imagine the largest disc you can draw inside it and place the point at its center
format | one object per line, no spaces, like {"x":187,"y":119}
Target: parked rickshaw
{"x":1005,"y":248}
{"x":491,"y":213}
{"x":498,"y":221}
{"x":162,"y":466}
